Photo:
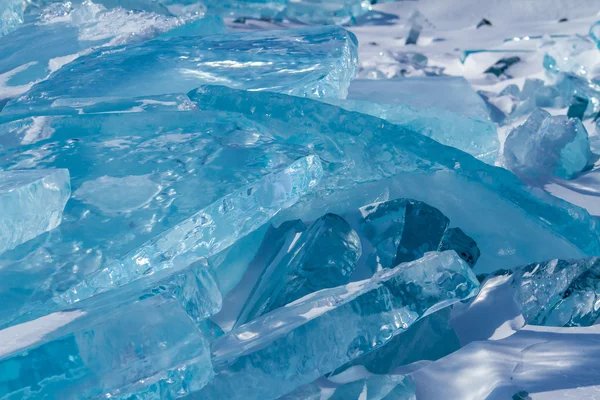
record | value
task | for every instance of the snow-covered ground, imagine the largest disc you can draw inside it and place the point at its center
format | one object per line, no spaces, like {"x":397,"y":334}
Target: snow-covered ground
{"x":502,"y":358}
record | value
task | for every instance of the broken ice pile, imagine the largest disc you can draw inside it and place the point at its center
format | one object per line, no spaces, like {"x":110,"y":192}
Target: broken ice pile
{"x":231,"y":234}
{"x":548,"y":145}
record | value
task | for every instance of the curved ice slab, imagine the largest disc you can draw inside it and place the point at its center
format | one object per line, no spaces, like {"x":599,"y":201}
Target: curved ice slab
{"x":548,"y":145}
{"x":294,"y":345}
{"x":559,"y":292}
{"x":11,"y":15}
{"x":316,"y":62}
{"x":155,"y":171}
{"x":63,"y":32}
{"x":31,"y":203}
{"x":369,"y":160}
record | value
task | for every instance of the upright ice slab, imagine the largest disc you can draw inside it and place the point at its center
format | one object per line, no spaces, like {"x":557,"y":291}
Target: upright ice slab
{"x":280,"y":351}
{"x":548,"y":145}
{"x":368,"y":159}
{"x":136,"y":207}
{"x":315,"y":62}
{"x":31,"y":203}
{"x":323,"y":256}
{"x":559,"y":292}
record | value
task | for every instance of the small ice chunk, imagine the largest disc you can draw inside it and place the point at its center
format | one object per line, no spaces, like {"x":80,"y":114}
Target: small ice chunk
{"x":31,"y":203}
{"x":11,"y":15}
{"x":548,"y":145}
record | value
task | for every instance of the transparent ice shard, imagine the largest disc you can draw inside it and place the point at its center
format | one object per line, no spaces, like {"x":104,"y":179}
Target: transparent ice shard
{"x":559,"y":292}
{"x":11,"y":15}
{"x":31,"y":203}
{"x":315,"y":61}
{"x":151,"y":168}
{"x":280,"y":351}
{"x":370,"y":160}
{"x":548,"y":145}
{"x":323,"y":256}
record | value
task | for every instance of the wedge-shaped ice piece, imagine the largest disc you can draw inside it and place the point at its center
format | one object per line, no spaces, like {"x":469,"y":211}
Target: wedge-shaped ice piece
{"x":136,"y":206}
{"x":374,"y":387}
{"x":150,"y":346}
{"x":559,"y":292}
{"x":294,"y":345}
{"x":317,"y":62}
{"x":369,"y":160}
{"x":64,"y":31}
{"x":11,"y":15}
{"x":474,"y":136}
{"x":548,"y":145}
{"x":31,"y":203}
{"x":440,"y":92}
{"x":323,"y":256}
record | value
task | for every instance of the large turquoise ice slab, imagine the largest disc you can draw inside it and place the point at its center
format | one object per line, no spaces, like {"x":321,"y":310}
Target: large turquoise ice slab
{"x":477,"y":137}
{"x":548,"y":145}
{"x":439,"y":92}
{"x":136,"y":181}
{"x":317,"y":62}
{"x":280,"y":351}
{"x":31,"y":203}
{"x":148,"y":347}
{"x":368,"y":160}
{"x":559,"y":292}
{"x":323,"y":256}
{"x":62,"y":32}
{"x":11,"y":15}
{"x":207,"y":232}
{"x":374,"y":387}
